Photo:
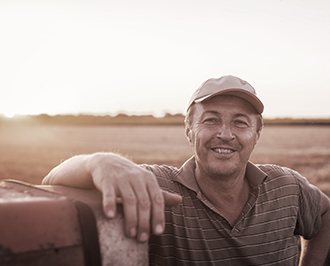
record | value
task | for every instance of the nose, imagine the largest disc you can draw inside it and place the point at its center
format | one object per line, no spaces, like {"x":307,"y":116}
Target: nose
{"x":225,"y":133}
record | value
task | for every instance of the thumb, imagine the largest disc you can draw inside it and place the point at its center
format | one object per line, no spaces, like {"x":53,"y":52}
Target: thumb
{"x":171,"y":199}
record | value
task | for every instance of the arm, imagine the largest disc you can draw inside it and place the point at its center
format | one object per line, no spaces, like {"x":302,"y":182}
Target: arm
{"x":115,"y":176}
{"x":314,"y":251}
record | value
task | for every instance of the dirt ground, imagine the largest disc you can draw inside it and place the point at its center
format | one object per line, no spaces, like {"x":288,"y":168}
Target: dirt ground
{"x":28,"y":153}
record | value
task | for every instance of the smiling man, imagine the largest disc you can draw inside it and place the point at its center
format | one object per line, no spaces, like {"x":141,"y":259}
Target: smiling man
{"x":223,"y":133}
{"x":219,"y":208}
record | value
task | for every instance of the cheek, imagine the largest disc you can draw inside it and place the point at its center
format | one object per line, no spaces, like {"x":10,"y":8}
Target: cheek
{"x":202,"y":135}
{"x":249,"y":139}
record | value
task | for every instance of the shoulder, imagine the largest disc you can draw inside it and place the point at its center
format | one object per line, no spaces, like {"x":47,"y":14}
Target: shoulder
{"x":274,"y":170}
{"x":165,"y":175}
{"x":279,"y":173}
{"x":282,"y":176}
{"x":162,"y":171}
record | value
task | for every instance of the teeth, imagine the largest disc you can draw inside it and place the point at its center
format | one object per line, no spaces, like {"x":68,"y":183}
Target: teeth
{"x":225,"y":151}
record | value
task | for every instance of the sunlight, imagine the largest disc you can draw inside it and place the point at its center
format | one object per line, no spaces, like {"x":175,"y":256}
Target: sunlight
{"x":12,"y":114}
{"x":9,"y":114}
{"x":99,"y":57}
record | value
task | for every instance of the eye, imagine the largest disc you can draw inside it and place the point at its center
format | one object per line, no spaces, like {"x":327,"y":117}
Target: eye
{"x":211,"y":121}
{"x":241,"y":123}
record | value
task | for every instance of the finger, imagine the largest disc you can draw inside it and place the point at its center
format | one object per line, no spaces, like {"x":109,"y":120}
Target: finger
{"x":109,"y":202}
{"x":145,"y":187}
{"x":129,"y":202}
{"x":158,"y":213}
{"x":144,"y":206}
{"x":157,"y":208}
{"x":171,"y":199}
{"x":160,"y":200}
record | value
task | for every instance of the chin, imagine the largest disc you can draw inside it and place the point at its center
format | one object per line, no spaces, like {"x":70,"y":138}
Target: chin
{"x":216,"y":168}
{"x":222,"y":172}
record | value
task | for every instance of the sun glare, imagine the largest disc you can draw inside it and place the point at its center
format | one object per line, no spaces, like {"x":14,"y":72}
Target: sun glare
{"x":9,"y":115}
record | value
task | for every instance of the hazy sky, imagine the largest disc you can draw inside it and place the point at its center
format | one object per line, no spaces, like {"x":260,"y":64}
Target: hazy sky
{"x":148,"y":56}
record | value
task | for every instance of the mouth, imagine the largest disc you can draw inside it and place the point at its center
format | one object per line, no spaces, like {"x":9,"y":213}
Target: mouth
{"x":223,"y":151}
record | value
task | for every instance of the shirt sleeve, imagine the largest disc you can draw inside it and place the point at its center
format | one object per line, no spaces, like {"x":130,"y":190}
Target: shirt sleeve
{"x":164,"y":175}
{"x":309,"y":215}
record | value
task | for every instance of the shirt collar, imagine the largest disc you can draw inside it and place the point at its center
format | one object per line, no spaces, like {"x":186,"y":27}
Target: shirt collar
{"x":187,"y":177}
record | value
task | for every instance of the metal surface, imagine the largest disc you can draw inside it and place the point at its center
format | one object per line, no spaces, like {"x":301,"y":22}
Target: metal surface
{"x":56,"y":225}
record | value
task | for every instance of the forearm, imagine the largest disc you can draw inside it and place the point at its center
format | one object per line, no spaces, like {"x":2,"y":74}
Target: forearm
{"x":72,"y":172}
{"x":314,"y":251}
{"x":89,"y":171}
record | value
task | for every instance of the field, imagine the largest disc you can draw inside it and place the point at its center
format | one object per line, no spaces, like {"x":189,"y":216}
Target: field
{"x":29,"y":152}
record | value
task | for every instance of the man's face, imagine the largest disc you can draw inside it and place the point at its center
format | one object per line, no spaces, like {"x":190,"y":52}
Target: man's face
{"x":223,"y":134}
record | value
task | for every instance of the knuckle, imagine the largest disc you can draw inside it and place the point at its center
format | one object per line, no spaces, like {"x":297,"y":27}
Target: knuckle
{"x":144,"y":203}
{"x":158,"y":198}
{"x":109,"y":194}
{"x":149,"y":176}
{"x":129,"y":198}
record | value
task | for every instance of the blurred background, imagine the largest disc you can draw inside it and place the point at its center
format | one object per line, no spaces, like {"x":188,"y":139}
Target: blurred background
{"x":100,"y":75}
{"x":148,"y":56}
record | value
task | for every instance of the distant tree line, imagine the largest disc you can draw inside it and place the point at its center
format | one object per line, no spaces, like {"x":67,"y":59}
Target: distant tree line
{"x":124,"y":119}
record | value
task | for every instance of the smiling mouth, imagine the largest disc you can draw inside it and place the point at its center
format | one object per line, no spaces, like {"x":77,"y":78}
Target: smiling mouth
{"x":223,"y":151}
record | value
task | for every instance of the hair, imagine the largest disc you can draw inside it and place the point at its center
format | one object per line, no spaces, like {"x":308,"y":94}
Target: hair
{"x":191,"y":111}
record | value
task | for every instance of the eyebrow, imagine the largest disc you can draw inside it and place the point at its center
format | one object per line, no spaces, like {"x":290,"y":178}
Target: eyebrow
{"x":235,"y":115}
{"x":210,"y":112}
{"x":244,"y":115}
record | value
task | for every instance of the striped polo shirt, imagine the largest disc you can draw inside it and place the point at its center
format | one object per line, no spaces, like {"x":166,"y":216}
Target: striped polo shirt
{"x":281,"y":207}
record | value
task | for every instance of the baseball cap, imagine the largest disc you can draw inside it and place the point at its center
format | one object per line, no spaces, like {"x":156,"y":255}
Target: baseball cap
{"x":229,"y":85}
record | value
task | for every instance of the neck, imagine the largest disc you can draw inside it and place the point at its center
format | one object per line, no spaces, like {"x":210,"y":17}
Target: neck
{"x":228,"y":194}
{"x":221,"y":184}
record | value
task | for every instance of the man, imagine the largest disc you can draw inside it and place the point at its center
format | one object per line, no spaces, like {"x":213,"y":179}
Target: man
{"x":232,"y":211}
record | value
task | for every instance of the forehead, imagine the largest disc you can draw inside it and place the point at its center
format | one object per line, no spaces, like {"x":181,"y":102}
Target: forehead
{"x":226,"y":103}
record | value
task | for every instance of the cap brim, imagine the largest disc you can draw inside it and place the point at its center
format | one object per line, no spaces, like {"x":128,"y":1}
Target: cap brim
{"x":251,"y":98}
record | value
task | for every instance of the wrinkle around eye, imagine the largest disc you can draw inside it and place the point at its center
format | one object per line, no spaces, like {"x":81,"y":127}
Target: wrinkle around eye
{"x":245,"y":125}
{"x":211,"y":121}
{"x":241,"y":124}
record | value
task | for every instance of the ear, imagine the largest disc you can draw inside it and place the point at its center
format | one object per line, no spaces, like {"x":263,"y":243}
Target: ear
{"x":188,"y":134}
{"x":257,"y":137}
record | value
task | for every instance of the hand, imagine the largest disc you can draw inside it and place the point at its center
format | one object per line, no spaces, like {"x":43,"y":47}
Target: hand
{"x":143,"y":201}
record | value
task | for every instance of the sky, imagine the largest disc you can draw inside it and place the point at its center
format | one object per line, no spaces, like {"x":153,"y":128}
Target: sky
{"x":149,"y":56}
